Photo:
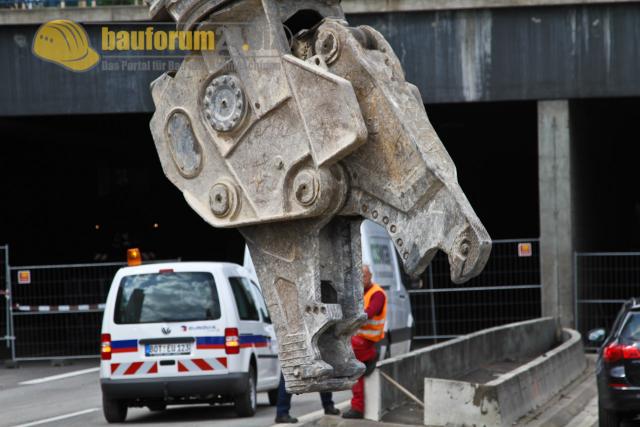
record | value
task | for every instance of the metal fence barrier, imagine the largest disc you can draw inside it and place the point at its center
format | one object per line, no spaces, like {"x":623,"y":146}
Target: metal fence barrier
{"x":507,"y":291}
{"x":603,"y":282}
{"x":57,"y":309}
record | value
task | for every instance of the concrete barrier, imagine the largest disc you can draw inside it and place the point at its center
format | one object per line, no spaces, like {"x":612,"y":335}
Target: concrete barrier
{"x":454,"y":359}
{"x":501,"y":402}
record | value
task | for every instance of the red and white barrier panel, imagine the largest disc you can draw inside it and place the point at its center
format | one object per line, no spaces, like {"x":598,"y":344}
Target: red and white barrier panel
{"x":58,"y":308}
{"x":139,"y":368}
{"x":200,"y":365}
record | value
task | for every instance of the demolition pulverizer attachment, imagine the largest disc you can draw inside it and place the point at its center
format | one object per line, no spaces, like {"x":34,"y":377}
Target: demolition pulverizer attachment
{"x":293,"y":129}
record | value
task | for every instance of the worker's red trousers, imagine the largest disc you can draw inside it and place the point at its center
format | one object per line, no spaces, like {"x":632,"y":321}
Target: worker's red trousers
{"x":364,"y":350}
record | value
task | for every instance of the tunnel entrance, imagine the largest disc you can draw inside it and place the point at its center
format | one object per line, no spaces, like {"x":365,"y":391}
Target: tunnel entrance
{"x":86,"y":188}
{"x":605,"y":157}
{"x":82,"y":189}
{"x":495,"y":149}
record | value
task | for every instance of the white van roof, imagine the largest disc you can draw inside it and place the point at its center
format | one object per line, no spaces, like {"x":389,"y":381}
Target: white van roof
{"x":370,"y":228}
{"x":182,"y":266}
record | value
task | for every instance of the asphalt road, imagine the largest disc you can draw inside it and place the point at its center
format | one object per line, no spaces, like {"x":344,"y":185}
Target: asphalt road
{"x":76,"y":401}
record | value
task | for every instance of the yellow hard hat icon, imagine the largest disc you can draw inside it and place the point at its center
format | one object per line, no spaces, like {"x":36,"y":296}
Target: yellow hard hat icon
{"x":65,"y":43}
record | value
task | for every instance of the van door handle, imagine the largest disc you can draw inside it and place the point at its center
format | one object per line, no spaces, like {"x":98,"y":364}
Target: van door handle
{"x":402,"y":296}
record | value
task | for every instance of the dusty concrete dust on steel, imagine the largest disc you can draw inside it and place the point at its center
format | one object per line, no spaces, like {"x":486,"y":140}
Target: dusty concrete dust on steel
{"x":296,"y":154}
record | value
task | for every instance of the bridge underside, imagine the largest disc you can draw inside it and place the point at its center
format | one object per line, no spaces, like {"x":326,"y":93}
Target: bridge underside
{"x":525,"y":53}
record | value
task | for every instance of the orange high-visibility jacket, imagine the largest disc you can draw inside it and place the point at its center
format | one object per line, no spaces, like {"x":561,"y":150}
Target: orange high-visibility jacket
{"x":373,"y":329}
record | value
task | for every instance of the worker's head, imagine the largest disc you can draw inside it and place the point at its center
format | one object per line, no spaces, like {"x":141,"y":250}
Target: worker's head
{"x":366,"y":276}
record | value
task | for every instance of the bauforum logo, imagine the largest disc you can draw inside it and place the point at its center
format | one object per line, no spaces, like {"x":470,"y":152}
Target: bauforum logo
{"x":65,"y":43}
{"x":151,"y":39}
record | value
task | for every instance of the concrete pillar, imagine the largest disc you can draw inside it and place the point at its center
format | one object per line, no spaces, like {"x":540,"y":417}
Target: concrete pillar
{"x":556,"y":211}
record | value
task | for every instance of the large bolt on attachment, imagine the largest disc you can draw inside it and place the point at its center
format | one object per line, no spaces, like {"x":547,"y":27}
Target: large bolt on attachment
{"x":224,"y":103}
{"x":221,"y":200}
{"x":327,"y":46}
{"x":465,"y":248}
{"x":306,"y":187}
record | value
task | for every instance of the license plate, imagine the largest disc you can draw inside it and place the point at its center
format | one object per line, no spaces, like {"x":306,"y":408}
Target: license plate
{"x":167,"y":349}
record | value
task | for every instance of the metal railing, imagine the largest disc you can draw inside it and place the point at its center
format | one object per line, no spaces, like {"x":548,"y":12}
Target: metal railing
{"x":507,"y":291}
{"x":603,"y":282}
{"x":57,"y":309}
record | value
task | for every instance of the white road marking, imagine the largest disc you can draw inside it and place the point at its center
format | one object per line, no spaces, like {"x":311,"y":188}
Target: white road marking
{"x":59,"y":377}
{"x":316,"y":415}
{"x":58,"y":418}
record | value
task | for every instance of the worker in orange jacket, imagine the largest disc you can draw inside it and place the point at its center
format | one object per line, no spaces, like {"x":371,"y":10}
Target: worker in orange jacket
{"x":364,"y":342}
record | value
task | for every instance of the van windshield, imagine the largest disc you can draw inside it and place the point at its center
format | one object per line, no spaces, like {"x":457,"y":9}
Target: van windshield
{"x":170,"y":297}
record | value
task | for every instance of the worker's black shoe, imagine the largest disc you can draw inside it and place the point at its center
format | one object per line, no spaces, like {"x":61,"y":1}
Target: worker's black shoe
{"x":353,"y":414}
{"x":286,"y":419}
{"x":331,"y":410}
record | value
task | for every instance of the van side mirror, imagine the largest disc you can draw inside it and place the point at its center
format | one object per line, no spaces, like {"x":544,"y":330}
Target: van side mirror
{"x":597,"y":336}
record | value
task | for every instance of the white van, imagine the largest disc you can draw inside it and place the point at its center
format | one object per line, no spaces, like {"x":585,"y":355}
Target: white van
{"x":180,"y":333}
{"x":379,"y":253}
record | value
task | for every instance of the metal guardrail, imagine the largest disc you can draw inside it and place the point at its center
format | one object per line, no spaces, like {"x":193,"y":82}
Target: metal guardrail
{"x":507,"y":291}
{"x":603,"y":282}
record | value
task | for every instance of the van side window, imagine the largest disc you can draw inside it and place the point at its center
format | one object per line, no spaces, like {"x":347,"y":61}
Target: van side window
{"x":262,"y":306}
{"x":241,"y":289}
{"x":381,"y":262}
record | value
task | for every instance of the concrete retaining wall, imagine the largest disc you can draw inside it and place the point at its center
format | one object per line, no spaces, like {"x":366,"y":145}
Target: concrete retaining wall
{"x":503,"y":401}
{"x":453,"y":359}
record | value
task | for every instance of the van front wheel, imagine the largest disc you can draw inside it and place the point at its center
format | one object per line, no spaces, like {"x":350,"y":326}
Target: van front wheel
{"x":246,"y":402}
{"x":115,"y":411}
